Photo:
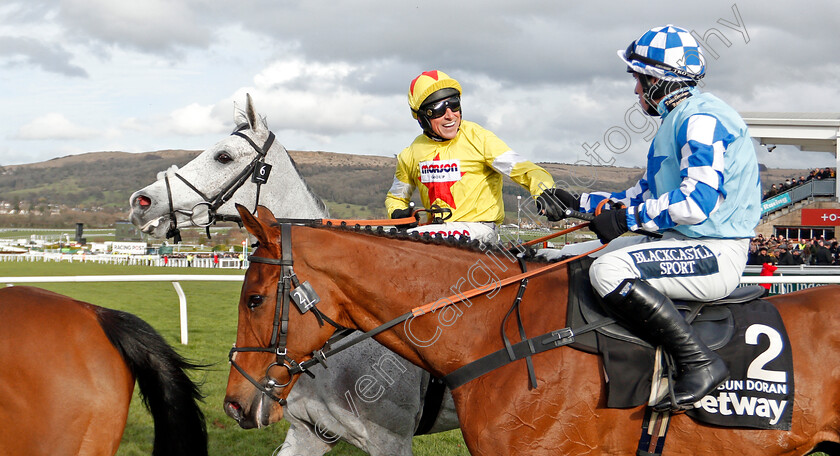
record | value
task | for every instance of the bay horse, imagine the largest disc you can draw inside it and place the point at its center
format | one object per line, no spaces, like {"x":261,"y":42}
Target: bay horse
{"x":365,"y":280}
{"x":207,"y":189}
{"x":68,"y":373}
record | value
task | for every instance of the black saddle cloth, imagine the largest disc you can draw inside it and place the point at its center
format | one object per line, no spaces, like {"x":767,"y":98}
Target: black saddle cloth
{"x":628,"y":360}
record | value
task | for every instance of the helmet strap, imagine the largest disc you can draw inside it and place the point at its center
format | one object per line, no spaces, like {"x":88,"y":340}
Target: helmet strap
{"x":648,"y":93}
{"x":661,"y":89}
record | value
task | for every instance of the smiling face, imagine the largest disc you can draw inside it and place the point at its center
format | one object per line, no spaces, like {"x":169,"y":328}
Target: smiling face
{"x":446,"y":126}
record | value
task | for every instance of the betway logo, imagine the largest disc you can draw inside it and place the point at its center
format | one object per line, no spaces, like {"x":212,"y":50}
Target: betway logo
{"x":440,"y":171}
{"x":729,"y":403}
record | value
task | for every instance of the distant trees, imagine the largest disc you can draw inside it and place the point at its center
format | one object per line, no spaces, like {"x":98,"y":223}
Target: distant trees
{"x":99,"y":189}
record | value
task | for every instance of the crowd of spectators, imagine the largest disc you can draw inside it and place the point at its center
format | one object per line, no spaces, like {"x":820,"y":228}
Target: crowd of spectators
{"x":781,"y":251}
{"x":826,"y":173}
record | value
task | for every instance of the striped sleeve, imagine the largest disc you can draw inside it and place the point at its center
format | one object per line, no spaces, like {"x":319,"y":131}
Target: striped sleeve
{"x":702,"y":141}
{"x":630,"y":197}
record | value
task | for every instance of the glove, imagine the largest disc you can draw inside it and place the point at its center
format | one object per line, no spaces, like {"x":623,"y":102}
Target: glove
{"x":402,"y":213}
{"x":554,"y":201}
{"x":609,"y":225}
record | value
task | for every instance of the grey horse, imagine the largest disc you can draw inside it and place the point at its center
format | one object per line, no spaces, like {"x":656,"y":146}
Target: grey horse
{"x":338,"y":403}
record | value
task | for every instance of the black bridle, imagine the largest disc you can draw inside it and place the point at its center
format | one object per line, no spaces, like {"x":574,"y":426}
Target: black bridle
{"x":257,"y":168}
{"x":289,"y":289}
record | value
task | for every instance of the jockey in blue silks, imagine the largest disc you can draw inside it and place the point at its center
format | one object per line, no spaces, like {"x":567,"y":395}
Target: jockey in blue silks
{"x":701,"y":190}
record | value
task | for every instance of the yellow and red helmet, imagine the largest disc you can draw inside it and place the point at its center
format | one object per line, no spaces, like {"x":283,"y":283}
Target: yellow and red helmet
{"x":425,"y":85}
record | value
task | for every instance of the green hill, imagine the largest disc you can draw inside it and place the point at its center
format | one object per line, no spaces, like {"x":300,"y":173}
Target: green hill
{"x":94,"y":188}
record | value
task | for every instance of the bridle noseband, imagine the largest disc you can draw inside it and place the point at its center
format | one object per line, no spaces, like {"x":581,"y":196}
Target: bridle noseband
{"x":257,"y":168}
{"x":289,"y":289}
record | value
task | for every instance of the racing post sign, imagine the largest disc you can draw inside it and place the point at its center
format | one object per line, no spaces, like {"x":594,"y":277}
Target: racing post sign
{"x":821,"y":217}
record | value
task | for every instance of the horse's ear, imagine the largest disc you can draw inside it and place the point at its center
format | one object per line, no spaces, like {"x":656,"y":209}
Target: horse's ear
{"x":239,"y":116}
{"x":265,"y":215}
{"x":251,"y":115}
{"x":254,"y":225}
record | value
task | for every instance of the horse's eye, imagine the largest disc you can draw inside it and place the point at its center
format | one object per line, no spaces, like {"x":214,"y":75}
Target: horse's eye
{"x":224,"y":158}
{"x":255,"y":301}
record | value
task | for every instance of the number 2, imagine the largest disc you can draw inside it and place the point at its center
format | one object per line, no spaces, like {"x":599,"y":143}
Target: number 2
{"x":756,"y":369}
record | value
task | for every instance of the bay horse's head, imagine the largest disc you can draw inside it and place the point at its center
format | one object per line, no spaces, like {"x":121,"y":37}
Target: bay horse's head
{"x":273,"y":335}
{"x":225,"y":174}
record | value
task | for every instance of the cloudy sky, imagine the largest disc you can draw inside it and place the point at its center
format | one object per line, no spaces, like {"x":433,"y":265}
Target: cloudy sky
{"x":82,"y":76}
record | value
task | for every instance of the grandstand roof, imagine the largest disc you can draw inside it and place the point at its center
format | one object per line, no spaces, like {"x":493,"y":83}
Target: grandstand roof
{"x":809,"y":131}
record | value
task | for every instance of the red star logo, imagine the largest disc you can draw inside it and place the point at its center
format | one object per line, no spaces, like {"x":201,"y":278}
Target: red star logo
{"x":440,"y":190}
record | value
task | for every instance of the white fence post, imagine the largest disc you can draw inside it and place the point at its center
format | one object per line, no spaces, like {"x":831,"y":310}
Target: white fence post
{"x":173,"y":278}
{"x":182,"y":299}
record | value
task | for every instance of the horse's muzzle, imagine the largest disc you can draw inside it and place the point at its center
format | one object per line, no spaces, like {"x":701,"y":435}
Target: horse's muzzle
{"x":258,"y":415}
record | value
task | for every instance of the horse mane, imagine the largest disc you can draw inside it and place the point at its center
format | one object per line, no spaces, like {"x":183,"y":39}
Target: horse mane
{"x":321,"y":204}
{"x":467,"y":244}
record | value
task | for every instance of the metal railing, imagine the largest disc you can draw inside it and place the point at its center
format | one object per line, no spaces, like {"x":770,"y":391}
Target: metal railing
{"x":129,"y":260}
{"x":811,"y":188}
{"x":788,"y":279}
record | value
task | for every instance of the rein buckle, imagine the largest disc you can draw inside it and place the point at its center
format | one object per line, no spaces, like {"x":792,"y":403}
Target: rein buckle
{"x":564,"y":336}
{"x":320,"y":357}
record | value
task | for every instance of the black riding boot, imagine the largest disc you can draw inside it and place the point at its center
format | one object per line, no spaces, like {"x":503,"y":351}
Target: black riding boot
{"x":644,"y":309}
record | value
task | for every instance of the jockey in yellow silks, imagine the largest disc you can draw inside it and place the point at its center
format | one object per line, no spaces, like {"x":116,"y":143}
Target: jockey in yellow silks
{"x":457,"y":165}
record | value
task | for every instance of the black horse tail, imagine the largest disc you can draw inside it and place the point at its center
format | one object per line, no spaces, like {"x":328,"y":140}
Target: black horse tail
{"x":167,"y":391}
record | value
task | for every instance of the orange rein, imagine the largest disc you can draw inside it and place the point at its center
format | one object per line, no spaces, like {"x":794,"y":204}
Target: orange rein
{"x":375,"y":222}
{"x":432,"y":306}
{"x":552,"y":235}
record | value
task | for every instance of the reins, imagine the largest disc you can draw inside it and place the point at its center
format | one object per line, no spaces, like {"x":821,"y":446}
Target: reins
{"x":290,"y":288}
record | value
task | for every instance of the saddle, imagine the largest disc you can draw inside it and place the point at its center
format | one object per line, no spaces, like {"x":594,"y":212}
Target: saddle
{"x":628,"y":359}
{"x":711,"y":320}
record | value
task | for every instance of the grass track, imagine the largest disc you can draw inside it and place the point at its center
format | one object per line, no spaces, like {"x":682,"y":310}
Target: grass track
{"x":212,"y":330}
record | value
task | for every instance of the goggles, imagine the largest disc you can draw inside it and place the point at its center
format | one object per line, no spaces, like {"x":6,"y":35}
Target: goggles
{"x":630,"y":54}
{"x":438,"y":109}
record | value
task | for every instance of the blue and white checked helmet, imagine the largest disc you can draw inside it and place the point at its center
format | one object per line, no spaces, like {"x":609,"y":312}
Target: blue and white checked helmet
{"x":669,"y":53}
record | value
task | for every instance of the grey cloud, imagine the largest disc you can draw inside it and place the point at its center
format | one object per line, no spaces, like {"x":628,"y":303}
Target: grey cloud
{"x":543,"y":43}
{"x":49,"y":57}
{"x":503,"y":52}
{"x":152,"y":27}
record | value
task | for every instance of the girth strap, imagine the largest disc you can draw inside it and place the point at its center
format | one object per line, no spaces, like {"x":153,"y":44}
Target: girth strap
{"x":432,"y":403}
